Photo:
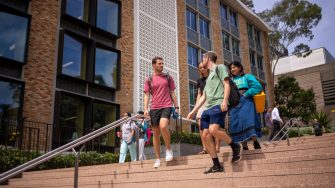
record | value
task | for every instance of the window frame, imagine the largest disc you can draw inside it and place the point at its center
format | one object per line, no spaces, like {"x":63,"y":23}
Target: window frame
{"x":118,"y":35}
{"x":234,"y":40}
{"x":195,"y":93}
{"x":13,"y":11}
{"x":204,"y":3}
{"x":262,"y":62}
{"x":253,"y":53}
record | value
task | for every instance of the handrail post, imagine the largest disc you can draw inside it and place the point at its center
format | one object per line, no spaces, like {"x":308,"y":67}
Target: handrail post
{"x":76,"y":166}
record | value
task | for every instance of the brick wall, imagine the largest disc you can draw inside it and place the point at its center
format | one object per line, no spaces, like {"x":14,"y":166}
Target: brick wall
{"x":182,"y":55}
{"x":126,"y":45}
{"x":39,"y":73}
{"x":268,"y":70}
{"x":244,"y":43}
{"x":216,"y":30}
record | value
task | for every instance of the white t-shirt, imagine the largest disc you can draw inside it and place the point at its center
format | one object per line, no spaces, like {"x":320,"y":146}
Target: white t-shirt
{"x":127,"y":129}
{"x":275,"y":115}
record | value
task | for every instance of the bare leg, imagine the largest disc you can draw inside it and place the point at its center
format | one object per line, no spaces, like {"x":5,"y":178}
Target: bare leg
{"x":201,"y":132}
{"x":217,"y":145}
{"x":210,"y":146}
{"x":156,"y":140}
{"x":217,"y":133}
{"x":163,"y":124}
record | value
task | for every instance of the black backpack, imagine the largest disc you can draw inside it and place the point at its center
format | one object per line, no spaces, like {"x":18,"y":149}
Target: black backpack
{"x":166,"y":75}
{"x":234,"y":97}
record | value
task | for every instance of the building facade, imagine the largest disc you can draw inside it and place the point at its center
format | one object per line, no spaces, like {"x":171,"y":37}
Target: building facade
{"x":79,"y":64}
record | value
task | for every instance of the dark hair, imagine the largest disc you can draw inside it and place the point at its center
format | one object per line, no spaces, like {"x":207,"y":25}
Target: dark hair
{"x":211,"y":55}
{"x":236,"y":64}
{"x":128,"y":114}
{"x":154,"y":60}
{"x":200,"y":73}
{"x":140,"y":112}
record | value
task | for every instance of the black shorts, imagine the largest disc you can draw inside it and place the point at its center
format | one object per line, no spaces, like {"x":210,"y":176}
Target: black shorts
{"x":157,"y":114}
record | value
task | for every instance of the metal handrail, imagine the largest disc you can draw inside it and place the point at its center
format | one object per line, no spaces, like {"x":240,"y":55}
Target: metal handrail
{"x":285,"y":129}
{"x":71,"y":145}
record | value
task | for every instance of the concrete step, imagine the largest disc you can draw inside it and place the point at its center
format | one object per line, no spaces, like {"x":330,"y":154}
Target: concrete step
{"x":251,"y":155}
{"x":284,"y":177}
{"x":311,"y":161}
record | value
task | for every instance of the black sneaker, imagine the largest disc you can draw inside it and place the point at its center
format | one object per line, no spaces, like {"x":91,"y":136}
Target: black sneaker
{"x":245,"y":148}
{"x":257,"y":145}
{"x":237,"y":150}
{"x":214,"y":169}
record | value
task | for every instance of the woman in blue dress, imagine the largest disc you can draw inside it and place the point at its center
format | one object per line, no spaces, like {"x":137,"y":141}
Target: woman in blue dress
{"x":244,"y":120}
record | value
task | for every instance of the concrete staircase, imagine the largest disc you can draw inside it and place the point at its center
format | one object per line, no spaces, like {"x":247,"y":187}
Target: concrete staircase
{"x":308,"y":162}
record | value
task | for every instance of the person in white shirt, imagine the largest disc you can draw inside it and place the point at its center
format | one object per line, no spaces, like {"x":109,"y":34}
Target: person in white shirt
{"x":276,"y":121}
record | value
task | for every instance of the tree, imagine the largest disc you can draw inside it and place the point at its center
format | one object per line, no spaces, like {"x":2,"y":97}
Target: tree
{"x":249,"y":3}
{"x":291,"y":20}
{"x":293,"y":100}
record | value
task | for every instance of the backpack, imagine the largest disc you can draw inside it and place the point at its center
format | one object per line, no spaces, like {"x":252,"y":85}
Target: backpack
{"x":234,"y":96}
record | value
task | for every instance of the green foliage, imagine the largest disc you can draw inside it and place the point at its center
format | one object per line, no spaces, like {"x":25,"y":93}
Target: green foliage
{"x":323,"y":118}
{"x":293,"y":100}
{"x":184,"y":137}
{"x":249,"y":4}
{"x":291,"y":20}
{"x":303,"y":131}
{"x":10,"y":158}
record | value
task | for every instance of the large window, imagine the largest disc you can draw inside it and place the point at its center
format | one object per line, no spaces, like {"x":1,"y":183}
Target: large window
{"x":236,"y":47}
{"x":260,"y":62}
{"x":224,"y":11}
{"x":233,"y":18}
{"x":78,"y":9}
{"x":106,"y":66}
{"x":193,"y":94}
{"x":192,"y":56}
{"x":74,"y":57}
{"x":191,"y":20}
{"x":225,"y":38}
{"x":104,"y":114}
{"x":14,"y":34}
{"x":108,"y":16}
{"x":10,"y":98}
{"x":252,"y":58}
{"x":71,"y":118}
{"x":21,"y":5}
{"x":204,"y":27}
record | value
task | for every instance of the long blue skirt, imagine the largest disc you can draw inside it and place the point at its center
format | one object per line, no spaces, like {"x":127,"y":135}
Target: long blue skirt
{"x":244,"y":121}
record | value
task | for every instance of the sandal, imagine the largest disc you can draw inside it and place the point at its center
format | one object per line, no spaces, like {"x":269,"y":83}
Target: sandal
{"x":203,"y":152}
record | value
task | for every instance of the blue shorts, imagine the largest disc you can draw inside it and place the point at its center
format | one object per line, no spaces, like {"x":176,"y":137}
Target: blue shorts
{"x":213,"y":115}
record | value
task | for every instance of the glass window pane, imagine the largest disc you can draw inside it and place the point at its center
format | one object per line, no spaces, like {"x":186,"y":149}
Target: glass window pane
{"x":225,"y":38}
{"x":71,"y":119}
{"x":250,"y":32}
{"x":77,"y":9}
{"x":252,"y":58}
{"x":10,"y":99}
{"x":236,"y":47}
{"x":192,"y":57}
{"x":20,"y":5}
{"x":108,"y":16}
{"x":233,"y":18}
{"x":106,"y":67}
{"x":204,"y":28}
{"x":260,"y":62}
{"x":223,"y":11}
{"x":204,"y":2}
{"x":74,"y":57}
{"x":103,"y":114}
{"x":13,"y":32}
{"x":191,"y":20}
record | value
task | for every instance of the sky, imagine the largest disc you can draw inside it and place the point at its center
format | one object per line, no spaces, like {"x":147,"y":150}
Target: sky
{"x":324,"y":32}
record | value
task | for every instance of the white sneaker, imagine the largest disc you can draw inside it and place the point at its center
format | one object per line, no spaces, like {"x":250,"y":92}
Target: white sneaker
{"x":169,"y":155}
{"x":157,"y":163}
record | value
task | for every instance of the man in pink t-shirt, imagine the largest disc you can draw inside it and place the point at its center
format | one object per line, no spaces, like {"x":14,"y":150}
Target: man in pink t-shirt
{"x":161,"y":87}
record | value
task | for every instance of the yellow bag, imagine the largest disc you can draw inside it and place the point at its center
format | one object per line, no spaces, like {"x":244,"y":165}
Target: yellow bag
{"x":259,"y":101}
